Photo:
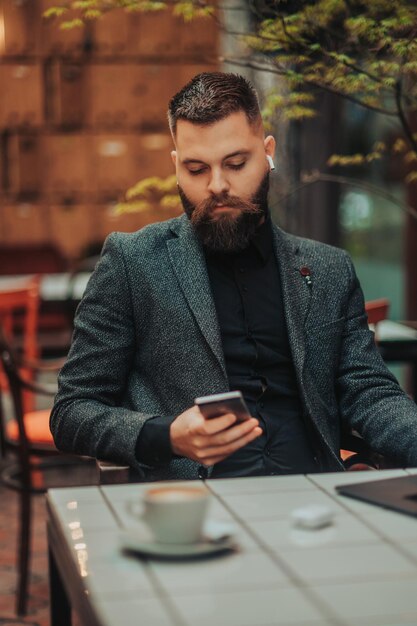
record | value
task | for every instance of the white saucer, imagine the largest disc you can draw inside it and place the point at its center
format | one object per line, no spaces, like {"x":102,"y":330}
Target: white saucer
{"x":217,"y":538}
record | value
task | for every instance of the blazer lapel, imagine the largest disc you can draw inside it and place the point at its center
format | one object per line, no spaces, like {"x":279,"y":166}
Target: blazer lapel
{"x":296,"y":293}
{"x":189,"y":265}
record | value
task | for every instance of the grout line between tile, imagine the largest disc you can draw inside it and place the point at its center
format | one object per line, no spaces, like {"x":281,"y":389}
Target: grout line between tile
{"x":170,"y":607}
{"x":297,"y":582}
{"x":368,"y":523}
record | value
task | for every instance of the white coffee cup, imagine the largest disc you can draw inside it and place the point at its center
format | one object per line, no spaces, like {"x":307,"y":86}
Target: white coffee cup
{"x":174,"y":514}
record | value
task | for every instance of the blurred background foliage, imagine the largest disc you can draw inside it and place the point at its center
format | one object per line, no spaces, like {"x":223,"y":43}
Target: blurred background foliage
{"x":338,"y":81}
{"x":363,"y":52}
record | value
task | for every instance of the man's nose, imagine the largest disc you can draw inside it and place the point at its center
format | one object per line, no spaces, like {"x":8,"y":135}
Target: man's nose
{"x":218,"y":183}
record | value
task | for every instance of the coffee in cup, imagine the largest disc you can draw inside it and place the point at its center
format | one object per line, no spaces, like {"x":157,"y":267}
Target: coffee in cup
{"x":175,"y":514}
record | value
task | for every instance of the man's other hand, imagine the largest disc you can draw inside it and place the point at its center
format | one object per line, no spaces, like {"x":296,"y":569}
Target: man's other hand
{"x":209,"y":441}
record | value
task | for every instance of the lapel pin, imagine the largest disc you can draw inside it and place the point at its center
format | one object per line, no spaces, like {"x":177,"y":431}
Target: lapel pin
{"x":306,"y":274}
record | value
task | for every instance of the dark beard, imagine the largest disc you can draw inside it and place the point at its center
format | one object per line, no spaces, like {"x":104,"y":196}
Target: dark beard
{"x":227,"y":233}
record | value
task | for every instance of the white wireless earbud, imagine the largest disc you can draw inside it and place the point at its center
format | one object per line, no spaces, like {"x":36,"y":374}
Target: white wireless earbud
{"x":271,"y":162}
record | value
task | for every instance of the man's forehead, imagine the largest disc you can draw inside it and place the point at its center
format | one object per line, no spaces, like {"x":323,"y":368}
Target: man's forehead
{"x":229,"y":135}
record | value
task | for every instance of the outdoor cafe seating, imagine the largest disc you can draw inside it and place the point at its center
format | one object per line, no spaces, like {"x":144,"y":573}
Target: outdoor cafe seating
{"x":29,"y":456}
{"x":28,"y":453}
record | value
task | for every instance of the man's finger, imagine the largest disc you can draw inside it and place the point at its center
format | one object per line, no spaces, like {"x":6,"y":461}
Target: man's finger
{"x":226,"y":450}
{"x":217,"y":424}
{"x":234,"y":433}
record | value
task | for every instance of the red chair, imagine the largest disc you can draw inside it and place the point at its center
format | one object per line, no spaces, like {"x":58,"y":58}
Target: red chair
{"x":377,"y":310}
{"x":19,"y":316}
{"x":25,"y":437}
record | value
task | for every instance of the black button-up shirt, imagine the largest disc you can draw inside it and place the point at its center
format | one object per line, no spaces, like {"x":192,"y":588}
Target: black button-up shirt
{"x":247,"y":293}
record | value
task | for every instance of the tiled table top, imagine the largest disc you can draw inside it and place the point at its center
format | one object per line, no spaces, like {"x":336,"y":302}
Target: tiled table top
{"x":361,"y":570}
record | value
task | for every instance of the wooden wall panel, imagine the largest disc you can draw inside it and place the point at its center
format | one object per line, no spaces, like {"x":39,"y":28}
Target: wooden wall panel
{"x":23,"y":164}
{"x":188,"y":71}
{"x":65,"y":83}
{"x":198,"y":39}
{"x":109,"y":96}
{"x":55,"y":41}
{"x":21,"y":28}
{"x":67,"y":167}
{"x":83,"y":117}
{"x":4,"y":235}
{"x":22,"y":102}
{"x":108,"y":221}
{"x":131,"y":96}
{"x":157,"y":85}
{"x":110,"y":34}
{"x":3,"y":165}
{"x":154,"y":35}
{"x":114,"y":164}
{"x":153,"y":156}
{"x":121,"y":160}
{"x":26,"y":223}
{"x":72,"y":228}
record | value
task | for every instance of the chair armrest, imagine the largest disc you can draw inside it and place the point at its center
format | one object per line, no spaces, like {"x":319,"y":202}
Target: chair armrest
{"x":364,"y":458}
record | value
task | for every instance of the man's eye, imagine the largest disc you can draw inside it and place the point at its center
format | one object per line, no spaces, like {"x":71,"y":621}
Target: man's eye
{"x":236,"y":166}
{"x":197,"y":172}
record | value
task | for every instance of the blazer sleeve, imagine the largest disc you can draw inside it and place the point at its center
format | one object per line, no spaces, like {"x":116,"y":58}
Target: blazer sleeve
{"x":370,"y":398}
{"x":87,"y":417}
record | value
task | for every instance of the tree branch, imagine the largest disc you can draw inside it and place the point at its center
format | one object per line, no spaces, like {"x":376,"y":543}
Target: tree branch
{"x":317,"y":177}
{"x":356,"y":68}
{"x":404,"y":122}
{"x":284,"y":72}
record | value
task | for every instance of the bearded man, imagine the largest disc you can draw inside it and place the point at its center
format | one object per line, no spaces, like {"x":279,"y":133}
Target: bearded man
{"x":219,"y":299}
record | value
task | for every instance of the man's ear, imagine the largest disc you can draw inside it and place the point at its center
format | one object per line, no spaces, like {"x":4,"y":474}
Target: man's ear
{"x":269,"y":143}
{"x":174,"y":157}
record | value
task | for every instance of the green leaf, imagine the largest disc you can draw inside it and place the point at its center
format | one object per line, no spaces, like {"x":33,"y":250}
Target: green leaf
{"x":298,"y":113}
{"x":411,"y":177}
{"x":171,"y":202}
{"x":346,"y":160}
{"x":410,"y":157}
{"x":399,"y":146}
{"x":152,"y":187}
{"x":92,"y":14}
{"x":69,"y":25}
{"x":83,"y":5}
{"x":139,"y":206}
{"x":54,"y":12}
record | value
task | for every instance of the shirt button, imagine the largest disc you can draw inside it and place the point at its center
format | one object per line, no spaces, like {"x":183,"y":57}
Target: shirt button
{"x":267,"y":452}
{"x":241,"y":270}
{"x":245,"y":288}
{"x":262,"y":404}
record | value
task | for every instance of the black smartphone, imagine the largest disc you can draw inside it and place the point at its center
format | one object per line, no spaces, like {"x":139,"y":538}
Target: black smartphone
{"x":221,"y":403}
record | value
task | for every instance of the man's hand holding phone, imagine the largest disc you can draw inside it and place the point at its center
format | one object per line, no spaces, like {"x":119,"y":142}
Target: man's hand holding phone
{"x":214,"y":428}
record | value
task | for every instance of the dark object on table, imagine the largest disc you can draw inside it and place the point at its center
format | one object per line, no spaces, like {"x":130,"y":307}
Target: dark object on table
{"x":397,"y":494}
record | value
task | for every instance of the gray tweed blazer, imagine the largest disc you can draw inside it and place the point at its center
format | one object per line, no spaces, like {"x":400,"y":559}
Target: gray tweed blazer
{"x":147,"y":342}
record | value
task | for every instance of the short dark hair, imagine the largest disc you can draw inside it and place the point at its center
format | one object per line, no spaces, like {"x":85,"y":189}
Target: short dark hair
{"x":211,"y":96}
